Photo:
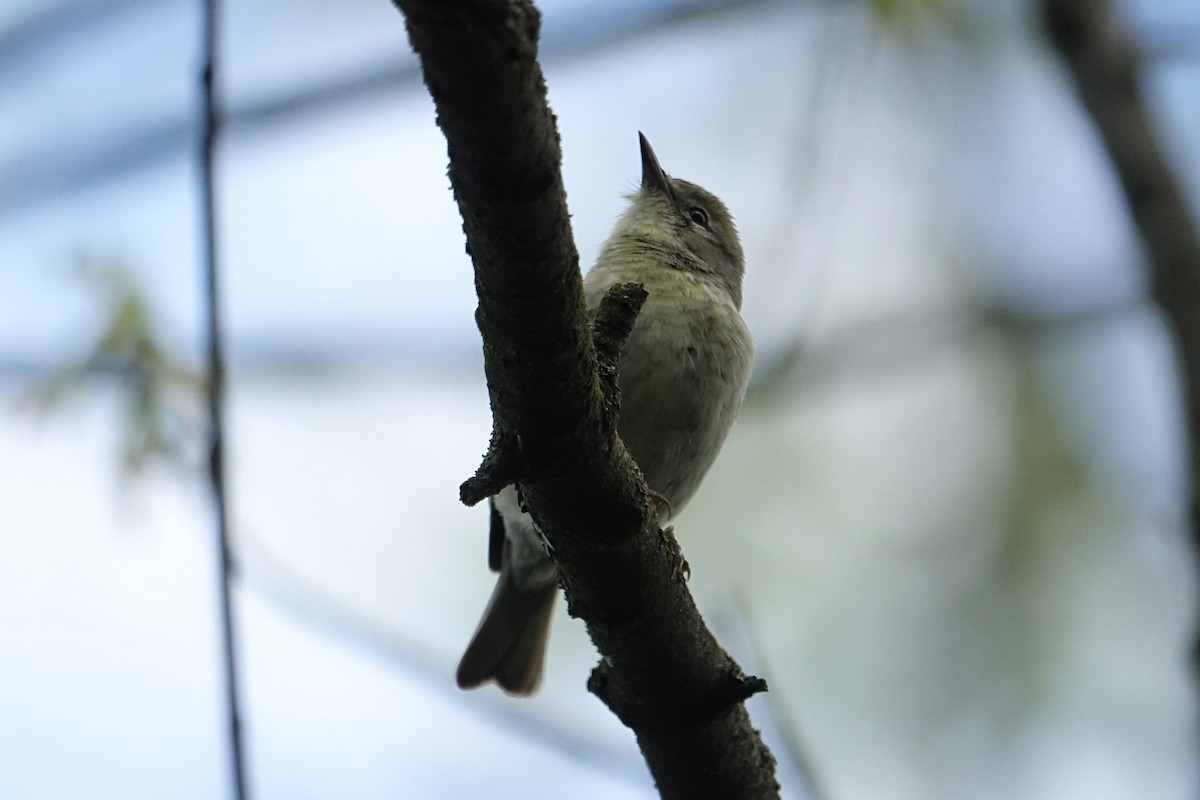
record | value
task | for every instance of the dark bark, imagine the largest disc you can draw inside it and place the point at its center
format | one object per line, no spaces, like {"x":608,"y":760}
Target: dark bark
{"x":554,"y":404}
{"x":1103,"y":59}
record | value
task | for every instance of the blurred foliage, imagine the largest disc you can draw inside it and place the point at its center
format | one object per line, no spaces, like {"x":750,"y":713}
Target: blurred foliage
{"x":160,"y":394}
{"x":910,"y":16}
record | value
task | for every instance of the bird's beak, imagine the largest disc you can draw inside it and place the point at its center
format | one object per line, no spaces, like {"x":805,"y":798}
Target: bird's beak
{"x":653,"y":176}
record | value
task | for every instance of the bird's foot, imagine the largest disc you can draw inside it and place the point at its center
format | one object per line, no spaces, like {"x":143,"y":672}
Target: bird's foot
{"x":682,"y":569}
{"x":659,"y":501}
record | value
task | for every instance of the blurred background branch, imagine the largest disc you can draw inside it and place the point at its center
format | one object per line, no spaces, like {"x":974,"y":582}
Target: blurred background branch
{"x":1103,"y":58}
{"x":43,"y":175}
{"x":210,"y":125}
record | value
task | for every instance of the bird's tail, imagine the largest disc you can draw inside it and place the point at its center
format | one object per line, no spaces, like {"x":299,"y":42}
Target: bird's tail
{"x":510,"y":645}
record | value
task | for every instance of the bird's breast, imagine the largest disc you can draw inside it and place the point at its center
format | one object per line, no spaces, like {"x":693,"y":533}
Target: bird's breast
{"x":682,"y":376}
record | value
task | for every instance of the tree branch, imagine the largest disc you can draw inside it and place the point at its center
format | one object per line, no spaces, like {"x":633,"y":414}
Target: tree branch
{"x":1103,"y":60}
{"x":553,"y":395}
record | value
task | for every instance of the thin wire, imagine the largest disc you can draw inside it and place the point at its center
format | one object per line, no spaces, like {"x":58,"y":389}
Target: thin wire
{"x":216,"y":384}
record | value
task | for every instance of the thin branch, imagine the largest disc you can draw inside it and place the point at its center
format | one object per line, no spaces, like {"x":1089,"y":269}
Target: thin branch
{"x":210,"y":120}
{"x":663,"y":674}
{"x":1104,"y":62}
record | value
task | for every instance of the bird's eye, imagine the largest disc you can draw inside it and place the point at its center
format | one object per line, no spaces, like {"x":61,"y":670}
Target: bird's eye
{"x":698,"y":215}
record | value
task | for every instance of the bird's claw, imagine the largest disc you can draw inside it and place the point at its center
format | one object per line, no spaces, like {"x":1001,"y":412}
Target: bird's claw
{"x":681,"y":567}
{"x":659,"y":501}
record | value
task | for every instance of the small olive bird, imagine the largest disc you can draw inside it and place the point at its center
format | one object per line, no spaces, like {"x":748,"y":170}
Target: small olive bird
{"x":682,"y":378}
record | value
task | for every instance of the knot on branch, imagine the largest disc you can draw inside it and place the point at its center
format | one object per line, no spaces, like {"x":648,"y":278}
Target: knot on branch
{"x":611,"y":326}
{"x":738,"y":687}
{"x":731,"y":688}
{"x":503,"y":464}
{"x":601,"y":683}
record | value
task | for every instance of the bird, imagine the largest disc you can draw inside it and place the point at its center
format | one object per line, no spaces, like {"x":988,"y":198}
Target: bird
{"x":682,"y":377}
